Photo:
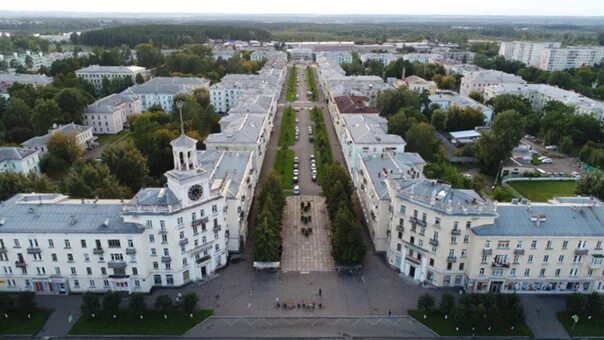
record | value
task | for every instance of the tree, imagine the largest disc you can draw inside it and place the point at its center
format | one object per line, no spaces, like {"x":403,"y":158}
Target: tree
{"x":477,"y":96}
{"x":64,"y":147}
{"x":127,"y":164}
{"x":402,"y":121}
{"x":12,"y":183}
{"x":421,"y":138}
{"x":347,"y":241}
{"x":502,"y":194}
{"x":73,"y":102}
{"x":391,"y":101}
{"x":494,"y":146}
{"x":591,"y":184}
{"x":466,"y":118}
{"x":506,"y":102}
{"x":152,"y":133}
{"x":29,"y":62}
{"x":90,"y":304}
{"x":148,"y":56}
{"x":447,"y":303}
{"x":445,"y":82}
{"x":17,"y":120}
{"x":137,"y":303}
{"x":45,"y":114}
{"x":163,"y":303}
{"x":139,"y":79}
{"x":25,"y":302}
{"x":267,"y":247}
{"x":92,"y":179}
{"x":111,"y":303}
{"x":6,"y":303}
{"x":189,"y":302}
{"x":425,"y":302}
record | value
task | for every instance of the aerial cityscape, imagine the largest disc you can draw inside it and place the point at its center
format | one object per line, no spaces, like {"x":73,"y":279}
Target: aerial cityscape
{"x":309,"y":170}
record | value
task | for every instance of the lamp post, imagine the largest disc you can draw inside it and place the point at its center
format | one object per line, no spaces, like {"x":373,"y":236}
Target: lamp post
{"x":575,"y":318}
{"x":179,"y":105}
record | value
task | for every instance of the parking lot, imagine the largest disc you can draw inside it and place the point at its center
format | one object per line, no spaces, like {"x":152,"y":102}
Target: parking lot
{"x":561,"y":163}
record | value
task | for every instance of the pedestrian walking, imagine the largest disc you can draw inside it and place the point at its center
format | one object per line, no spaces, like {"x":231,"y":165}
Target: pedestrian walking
{"x":320,"y":292}
{"x":389,"y":312}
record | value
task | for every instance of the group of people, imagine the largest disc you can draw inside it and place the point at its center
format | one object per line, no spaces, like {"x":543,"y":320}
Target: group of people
{"x":312,"y":305}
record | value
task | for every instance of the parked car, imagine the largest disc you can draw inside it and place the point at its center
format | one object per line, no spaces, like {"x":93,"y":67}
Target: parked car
{"x":297,"y":190}
{"x":296,"y":159}
{"x":295,"y":179}
{"x":313,"y":177}
{"x":312,"y":157}
{"x":551,"y":147}
{"x":296,"y":172}
{"x":546,"y":161}
{"x":296,"y":138}
{"x":529,"y":137}
{"x":295,"y":165}
{"x":297,"y":120}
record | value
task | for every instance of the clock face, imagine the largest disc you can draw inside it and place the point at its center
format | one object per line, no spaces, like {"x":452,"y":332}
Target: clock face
{"x":195,"y":192}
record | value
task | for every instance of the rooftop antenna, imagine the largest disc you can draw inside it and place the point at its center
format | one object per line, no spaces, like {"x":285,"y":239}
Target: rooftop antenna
{"x":179,"y":105}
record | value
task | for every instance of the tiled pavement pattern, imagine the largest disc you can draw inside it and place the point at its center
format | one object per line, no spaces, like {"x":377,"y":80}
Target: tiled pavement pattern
{"x":310,"y":253}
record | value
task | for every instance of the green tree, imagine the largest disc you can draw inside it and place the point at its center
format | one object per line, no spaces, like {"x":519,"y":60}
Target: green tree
{"x":421,"y":138}
{"x":137,"y":303}
{"x":25,"y":302}
{"x":163,"y":303}
{"x":466,"y":118}
{"x":494,"y":146}
{"x":347,"y":241}
{"x":390,"y":102}
{"x":152,"y":133}
{"x":73,"y":102}
{"x":189,"y":302}
{"x":267,"y":247}
{"x":438,"y":119}
{"x":6,"y":303}
{"x":447,"y":303}
{"x":425,"y":302}
{"x":591,"y":184}
{"x":506,"y":102}
{"x":445,"y":82}
{"x":17,"y":121}
{"x":45,"y":114}
{"x":90,"y":304}
{"x":402,"y":121}
{"x":502,"y":194}
{"x":127,"y":164}
{"x":92,"y":179}
{"x":111,"y":303}
{"x":139,"y":79}
{"x":29,"y":62}
{"x":64,"y":147}
{"x":12,"y":183}
{"x":148,"y":56}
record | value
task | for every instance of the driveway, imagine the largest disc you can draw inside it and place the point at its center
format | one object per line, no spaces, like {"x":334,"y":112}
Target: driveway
{"x":540,"y":312}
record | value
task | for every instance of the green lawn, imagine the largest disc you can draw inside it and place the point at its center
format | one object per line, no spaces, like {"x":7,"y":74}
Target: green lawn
{"x":291,"y":85}
{"x":110,"y":139}
{"x":584,"y":327}
{"x":312,"y":85}
{"x":287,"y":130}
{"x":541,"y":191}
{"x":446,"y":327}
{"x":284,"y":167}
{"x":153,"y":323}
{"x":19,"y":323}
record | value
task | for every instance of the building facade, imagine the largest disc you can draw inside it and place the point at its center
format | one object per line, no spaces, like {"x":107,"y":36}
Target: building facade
{"x":94,"y":74}
{"x":83,"y":136}
{"x":19,"y":160}
{"x":162,"y":90}
{"x":109,"y":115}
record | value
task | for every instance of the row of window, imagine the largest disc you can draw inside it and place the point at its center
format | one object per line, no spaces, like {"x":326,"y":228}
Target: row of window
{"x":504,"y":244}
{"x":33,"y":243}
{"x":542,"y":272}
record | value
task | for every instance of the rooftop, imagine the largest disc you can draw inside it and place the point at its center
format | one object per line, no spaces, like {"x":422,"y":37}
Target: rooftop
{"x":35,"y":79}
{"x":107,"y":104}
{"x":8,"y":153}
{"x":227,"y":166}
{"x":111,"y":69}
{"x":493,"y":76}
{"x":240,"y":128}
{"x":386,"y":165}
{"x":370,"y":129}
{"x":168,"y":85}
{"x":354,"y":104}
{"x":68,"y":129}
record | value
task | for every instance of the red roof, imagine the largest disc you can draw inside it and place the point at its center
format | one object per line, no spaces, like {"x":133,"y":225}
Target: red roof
{"x":354,"y":104}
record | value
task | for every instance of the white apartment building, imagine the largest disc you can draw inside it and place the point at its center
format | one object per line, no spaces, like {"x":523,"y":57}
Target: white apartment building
{"x":423,"y":58}
{"x":301,"y":53}
{"x":478,"y":81}
{"x":539,"y":95}
{"x":19,"y":160}
{"x":94,"y":74}
{"x":555,"y":59}
{"x":324,"y":46}
{"x":8,"y":79}
{"x":340,"y":57}
{"x":162,"y":90}
{"x":224,"y":54}
{"x":384,"y":58}
{"x":225,"y":95}
{"x":527,"y":52}
{"x":455,"y":55}
{"x":83,"y":136}
{"x":445,"y":99}
{"x":109,"y":115}
{"x":163,"y":237}
{"x":259,"y":55}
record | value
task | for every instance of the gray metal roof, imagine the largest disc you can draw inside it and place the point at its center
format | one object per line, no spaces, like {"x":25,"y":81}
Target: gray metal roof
{"x":226,"y":165}
{"x":14,"y":154}
{"x":383,"y":166}
{"x":370,"y":129}
{"x":68,"y":129}
{"x":545,"y":220}
{"x":245,"y":128}
{"x":168,"y":85}
{"x":154,"y":196}
{"x":110,"y":69}
{"x":184,"y":141}
{"x":55,"y":213}
{"x":107,"y":104}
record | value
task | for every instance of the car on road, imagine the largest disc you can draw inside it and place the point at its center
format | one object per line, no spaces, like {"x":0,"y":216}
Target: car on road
{"x":314,"y":172}
{"x":546,"y":161}
{"x":296,"y":159}
{"x":296,"y":172}
{"x":551,"y":147}
{"x":295,"y":165}
{"x":297,"y":138}
{"x":297,"y":120}
{"x":313,"y":177}
{"x":297,"y":190}
{"x":295,"y":179}
{"x":312,"y":157}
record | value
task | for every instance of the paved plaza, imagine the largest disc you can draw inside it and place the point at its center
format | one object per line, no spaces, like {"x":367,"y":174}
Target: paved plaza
{"x":311,"y":252}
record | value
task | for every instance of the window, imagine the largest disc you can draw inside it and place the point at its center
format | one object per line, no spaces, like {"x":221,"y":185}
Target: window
{"x":117,"y":257}
{"x":453,"y":240}
{"x":503,"y":244}
{"x":403,"y":209}
{"x":169,"y":279}
{"x":157,"y":279}
{"x":487,"y":244}
{"x":155,"y":265}
{"x":564,"y":244}
{"x":86,"y":257}
{"x":214,"y":208}
{"x":134,"y":271}
{"x":577,"y":259}
{"x":151,"y":238}
{"x":455,"y":225}
{"x":103,"y":271}
{"x":76,"y":283}
{"x":67,"y":244}
{"x":130,"y":244}
{"x":468,"y":224}
{"x":484,"y":258}
{"x":461,"y":266}
{"x":449,"y":265}
{"x":164,"y":238}
{"x":149,"y":224}
{"x":153,"y":252}
{"x":545,"y":258}
{"x":73,"y":271}
{"x":431,"y":262}
{"x":481,"y":273}
{"x":557,"y":273}
{"x":464,"y":253}
{"x":581,"y":244}
{"x":533,"y":244}
{"x":400,"y":236}
{"x":466,"y":239}
{"x":51,"y":244}
{"x":561,"y":259}
{"x":88,"y":271}
{"x":54,"y":257}
{"x":105,"y":283}
{"x":137,"y":283}
{"x":519,"y":245}
{"x":516,"y":256}
{"x":549,"y":245}
{"x":92,"y":284}
{"x":114,"y":243}
{"x":69,"y":257}
{"x":530,"y":259}
{"x":527,"y":272}
{"x":573,"y":272}
{"x":83,"y":242}
{"x":542,"y":272}
{"x":599,"y":245}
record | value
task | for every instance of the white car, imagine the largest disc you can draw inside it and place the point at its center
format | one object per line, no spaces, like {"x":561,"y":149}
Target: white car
{"x":297,"y":190}
{"x":296,"y":172}
{"x":546,"y":161}
{"x":297,"y":120}
{"x":296,"y":159}
{"x":551,"y":147}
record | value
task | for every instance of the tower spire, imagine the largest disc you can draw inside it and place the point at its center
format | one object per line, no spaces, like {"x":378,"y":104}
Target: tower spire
{"x":179,"y":104}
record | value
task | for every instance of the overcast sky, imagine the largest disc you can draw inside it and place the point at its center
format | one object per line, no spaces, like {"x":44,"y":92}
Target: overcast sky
{"x":410,"y":7}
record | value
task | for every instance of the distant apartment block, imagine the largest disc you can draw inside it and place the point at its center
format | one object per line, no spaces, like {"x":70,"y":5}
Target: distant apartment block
{"x":94,"y":74}
{"x":555,"y":59}
{"x":301,"y":53}
{"x":446,"y":99}
{"x":525,"y":51}
{"x":109,"y":115}
{"x":82,"y":134}
{"x":384,"y":58}
{"x":162,"y":90}
{"x":9,"y":79}
{"x":478,"y":81}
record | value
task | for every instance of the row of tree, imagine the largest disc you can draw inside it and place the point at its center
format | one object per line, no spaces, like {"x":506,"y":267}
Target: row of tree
{"x":585,"y":305}
{"x":267,"y":235}
{"x":323,"y":156}
{"x":23,"y":303}
{"x":109,"y":305}
{"x":347,"y":247}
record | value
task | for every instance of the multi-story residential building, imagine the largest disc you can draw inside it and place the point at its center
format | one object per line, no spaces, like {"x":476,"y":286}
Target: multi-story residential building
{"x":94,"y":74}
{"x":259,"y":55}
{"x":416,"y":84}
{"x":423,"y":58}
{"x":163,"y":237}
{"x":301,"y":53}
{"x":109,"y":115}
{"x":324,"y":46}
{"x":539,"y":95}
{"x":224,"y":54}
{"x":19,"y":160}
{"x":341,"y":57}
{"x":162,"y":90}
{"x":444,"y":99}
{"x":527,"y":52}
{"x":8,"y":79}
{"x":477,"y":81}
{"x":83,"y":136}
{"x":454,"y":55}
{"x":555,"y":59}
{"x":463,"y":69}
{"x":384,"y":58}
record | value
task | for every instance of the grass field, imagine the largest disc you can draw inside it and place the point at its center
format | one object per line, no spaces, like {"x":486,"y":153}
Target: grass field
{"x":446,"y":327}
{"x":292,"y":85}
{"x":153,"y":323}
{"x":541,"y":191}
{"x":585,"y":327}
{"x":19,"y":323}
{"x":284,"y":166}
{"x":110,"y":139}
{"x":287,"y":130}
{"x":312,"y":85}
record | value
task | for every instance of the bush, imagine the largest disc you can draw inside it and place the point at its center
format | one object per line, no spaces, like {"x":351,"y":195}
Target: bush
{"x":111,"y":303}
{"x":425,"y":302}
{"x":189,"y":302}
{"x":90,"y":304}
{"x":25,"y":302}
{"x":163,"y":303}
{"x":137,"y":303}
{"x":6,"y":302}
{"x":447,"y":303}
{"x":503,"y":194}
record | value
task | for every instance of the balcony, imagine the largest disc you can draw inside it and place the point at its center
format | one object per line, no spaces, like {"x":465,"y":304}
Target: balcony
{"x":34,"y":250}
{"x":581,"y":251}
{"x":130,"y":251}
{"x":487,"y":251}
{"x":518,"y":251}
{"x":452,"y":259}
{"x":203,"y":259}
{"x":433,"y":242}
{"x":163,"y":232}
{"x":400,"y":228}
{"x":183,"y":242}
{"x":116,"y":264}
{"x":217,"y":228}
{"x":3,"y":250}
{"x":455,"y":232}
{"x":20,"y":264}
{"x":98,"y":251}
{"x":495,"y":264}
{"x":166,"y":259}
{"x":415,"y":220}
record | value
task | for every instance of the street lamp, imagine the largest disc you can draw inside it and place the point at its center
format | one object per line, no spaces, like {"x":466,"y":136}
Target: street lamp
{"x":179,"y":105}
{"x":575,"y":318}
